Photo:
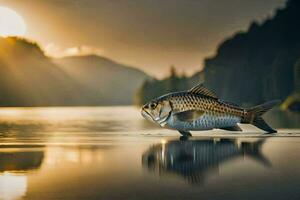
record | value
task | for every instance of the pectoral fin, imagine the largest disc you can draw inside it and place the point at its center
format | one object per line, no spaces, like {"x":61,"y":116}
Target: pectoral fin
{"x":232,"y":128}
{"x":189,"y":116}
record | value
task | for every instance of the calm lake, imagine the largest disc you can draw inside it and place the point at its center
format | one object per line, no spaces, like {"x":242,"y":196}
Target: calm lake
{"x":113,"y":153}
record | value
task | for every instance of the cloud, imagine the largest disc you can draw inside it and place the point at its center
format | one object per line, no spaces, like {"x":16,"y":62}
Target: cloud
{"x":53,"y":50}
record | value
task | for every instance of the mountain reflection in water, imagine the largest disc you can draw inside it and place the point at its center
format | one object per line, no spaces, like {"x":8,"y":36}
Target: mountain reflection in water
{"x":15,"y":162}
{"x":196,"y":159}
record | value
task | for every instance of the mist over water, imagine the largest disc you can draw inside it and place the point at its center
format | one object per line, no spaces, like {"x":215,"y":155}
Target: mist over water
{"x":113,"y":153}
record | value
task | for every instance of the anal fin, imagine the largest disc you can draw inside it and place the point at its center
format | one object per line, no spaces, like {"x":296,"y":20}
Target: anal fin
{"x":232,"y":128}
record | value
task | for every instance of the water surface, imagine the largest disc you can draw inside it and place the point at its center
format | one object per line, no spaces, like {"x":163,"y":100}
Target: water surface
{"x":112,"y":153}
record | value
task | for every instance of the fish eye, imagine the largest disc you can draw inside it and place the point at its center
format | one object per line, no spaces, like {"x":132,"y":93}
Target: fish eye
{"x":153,"y":105}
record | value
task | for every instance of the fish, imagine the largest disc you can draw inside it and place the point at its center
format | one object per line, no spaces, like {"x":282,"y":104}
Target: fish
{"x":199,"y":109}
{"x":195,"y":160}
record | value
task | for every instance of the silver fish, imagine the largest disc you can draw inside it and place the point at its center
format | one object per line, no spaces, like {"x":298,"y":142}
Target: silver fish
{"x":201,"y":109}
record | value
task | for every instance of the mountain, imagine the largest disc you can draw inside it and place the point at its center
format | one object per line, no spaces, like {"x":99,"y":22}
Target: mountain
{"x":29,"y":78}
{"x":259,"y":64}
{"x":107,"y":82}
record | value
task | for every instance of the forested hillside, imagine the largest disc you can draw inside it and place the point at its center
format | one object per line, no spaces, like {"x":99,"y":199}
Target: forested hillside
{"x":260,"y":64}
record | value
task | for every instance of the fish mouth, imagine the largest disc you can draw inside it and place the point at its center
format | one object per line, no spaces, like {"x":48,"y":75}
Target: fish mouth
{"x":147,"y":115}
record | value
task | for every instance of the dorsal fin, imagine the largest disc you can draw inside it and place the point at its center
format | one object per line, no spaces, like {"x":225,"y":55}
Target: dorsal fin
{"x":201,"y":89}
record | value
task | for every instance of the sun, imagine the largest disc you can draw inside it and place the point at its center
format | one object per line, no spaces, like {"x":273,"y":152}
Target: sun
{"x":11,"y":23}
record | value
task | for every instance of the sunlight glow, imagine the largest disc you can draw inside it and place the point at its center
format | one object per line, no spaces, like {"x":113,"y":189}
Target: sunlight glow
{"x":53,"y":50}
{"x":12,"y":186}
{"x":11,"y":23}
{"x":163,"y":141}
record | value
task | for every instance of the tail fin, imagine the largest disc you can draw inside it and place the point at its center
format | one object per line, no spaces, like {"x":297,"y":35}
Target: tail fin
{"x":254,"y":116}
{"x":253,"y":150}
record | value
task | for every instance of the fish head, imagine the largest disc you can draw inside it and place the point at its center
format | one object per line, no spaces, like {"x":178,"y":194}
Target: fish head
{"x":157,"y":111}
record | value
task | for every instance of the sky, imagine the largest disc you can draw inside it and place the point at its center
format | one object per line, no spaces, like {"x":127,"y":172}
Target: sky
{"x":151,"y":35}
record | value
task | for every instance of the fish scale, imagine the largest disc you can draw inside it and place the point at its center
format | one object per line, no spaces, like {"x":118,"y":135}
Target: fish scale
{"x":205,"y":122}
{"x":216,"y":114}
{"x":185,"y":102}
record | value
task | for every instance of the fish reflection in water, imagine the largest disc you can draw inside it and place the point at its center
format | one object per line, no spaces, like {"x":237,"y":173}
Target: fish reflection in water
{"x":195,"y":159}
